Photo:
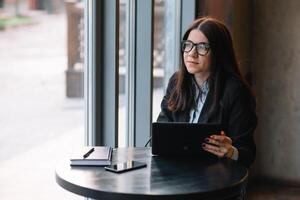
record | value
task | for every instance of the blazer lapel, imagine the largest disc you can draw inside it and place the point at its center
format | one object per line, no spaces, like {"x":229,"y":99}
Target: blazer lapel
{"x":204,"y":116}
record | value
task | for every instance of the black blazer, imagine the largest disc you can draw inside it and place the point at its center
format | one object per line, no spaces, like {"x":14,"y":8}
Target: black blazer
{"x":236,"y":114}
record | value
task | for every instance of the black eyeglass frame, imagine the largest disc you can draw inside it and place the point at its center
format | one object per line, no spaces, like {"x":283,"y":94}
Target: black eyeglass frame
{"x":206,"y":45}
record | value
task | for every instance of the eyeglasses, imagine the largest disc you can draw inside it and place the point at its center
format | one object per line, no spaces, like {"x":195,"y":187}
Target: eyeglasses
{"x":201,"y":47}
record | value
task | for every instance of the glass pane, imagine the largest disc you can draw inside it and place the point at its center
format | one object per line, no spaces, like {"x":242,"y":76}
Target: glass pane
{"x":159,"y":61}
{"x":122,"y":73}
{"x":42,"y":106}
{"x":166,"y":53}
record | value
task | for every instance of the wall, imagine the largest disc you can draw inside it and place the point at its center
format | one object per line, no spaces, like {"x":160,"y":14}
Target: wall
{"x":242,"y":37}
{"x":276,"y":64}
{"x":237,"y":16}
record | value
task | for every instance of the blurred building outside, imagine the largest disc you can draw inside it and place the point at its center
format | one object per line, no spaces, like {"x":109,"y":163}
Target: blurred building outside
{"x":75,"y":49}
{"x":74,"y":73}
{"x":37,"y":121}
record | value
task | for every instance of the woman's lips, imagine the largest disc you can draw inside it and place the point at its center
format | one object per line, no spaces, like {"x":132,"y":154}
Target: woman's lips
{"x":193,"y":62}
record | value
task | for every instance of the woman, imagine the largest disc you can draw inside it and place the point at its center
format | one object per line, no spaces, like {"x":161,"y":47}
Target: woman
{"x":209,"y":88}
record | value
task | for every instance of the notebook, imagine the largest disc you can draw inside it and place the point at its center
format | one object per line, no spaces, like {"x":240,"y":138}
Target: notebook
{"x":181,"y":139}
{"x":92,"y":156}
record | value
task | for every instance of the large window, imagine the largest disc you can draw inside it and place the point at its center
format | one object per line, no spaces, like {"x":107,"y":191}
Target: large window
{"x":164,"y":59}
{"x":166,"y":53}
{"x":135,"y":63}
{"x":42,"y":105}
{"x":128,"y":62}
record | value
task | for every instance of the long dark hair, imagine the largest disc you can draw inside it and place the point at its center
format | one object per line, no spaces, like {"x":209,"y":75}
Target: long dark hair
{"x":224,"y":65}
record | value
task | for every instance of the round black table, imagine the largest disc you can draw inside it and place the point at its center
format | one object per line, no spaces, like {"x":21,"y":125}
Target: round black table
{"x":163,"y":178}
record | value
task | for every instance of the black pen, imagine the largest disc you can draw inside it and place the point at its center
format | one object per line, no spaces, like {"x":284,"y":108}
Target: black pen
{"x":88,"y":153}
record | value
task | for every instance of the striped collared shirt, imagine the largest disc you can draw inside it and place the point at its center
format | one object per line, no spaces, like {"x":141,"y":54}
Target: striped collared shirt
{"x":200,"y":97}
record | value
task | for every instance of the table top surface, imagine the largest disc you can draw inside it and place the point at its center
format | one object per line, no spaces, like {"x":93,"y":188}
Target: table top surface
{"x":163,"y":178}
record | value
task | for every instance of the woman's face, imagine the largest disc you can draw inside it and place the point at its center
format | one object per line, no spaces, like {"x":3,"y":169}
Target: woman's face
{"x":195,"y":63}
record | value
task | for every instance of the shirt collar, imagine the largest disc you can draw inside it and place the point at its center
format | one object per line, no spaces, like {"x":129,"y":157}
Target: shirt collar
{"x":203,"y":88}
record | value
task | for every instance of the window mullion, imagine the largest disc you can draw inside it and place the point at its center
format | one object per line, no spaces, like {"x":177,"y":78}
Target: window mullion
{"x":143,"y":63}
{"x":131,"y":72}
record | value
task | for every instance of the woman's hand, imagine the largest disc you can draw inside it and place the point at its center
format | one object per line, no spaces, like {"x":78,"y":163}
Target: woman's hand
{"x":220,"y":145}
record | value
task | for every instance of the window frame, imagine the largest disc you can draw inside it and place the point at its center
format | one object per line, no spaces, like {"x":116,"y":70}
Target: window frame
{"x":102,"y":69}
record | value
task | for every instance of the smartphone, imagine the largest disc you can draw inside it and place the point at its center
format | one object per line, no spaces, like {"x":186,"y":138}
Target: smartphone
{"x":126,"y":166}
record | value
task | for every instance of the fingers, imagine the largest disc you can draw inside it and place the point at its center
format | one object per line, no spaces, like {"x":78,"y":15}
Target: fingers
{"x":223,"y":142}
{"x":214,"y":142}
{"x":218,"y":144}
{"x":221,"y":138}
{"x":218,"y":137}
{"x":218,"y":151}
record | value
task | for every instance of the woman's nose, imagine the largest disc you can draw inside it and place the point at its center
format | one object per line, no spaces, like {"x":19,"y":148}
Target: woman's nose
{"x":193,"y":52}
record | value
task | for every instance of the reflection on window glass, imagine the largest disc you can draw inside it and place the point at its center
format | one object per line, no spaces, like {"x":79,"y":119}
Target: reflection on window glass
{"x":41,"y":78}
{"x":122,"y":73}
{"x":166,"y":53}
{"x":159,"y":61}
{"x":164,"y":16}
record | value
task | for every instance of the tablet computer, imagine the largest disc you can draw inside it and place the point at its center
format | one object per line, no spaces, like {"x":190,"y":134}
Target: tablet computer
{"x":181,"y":139}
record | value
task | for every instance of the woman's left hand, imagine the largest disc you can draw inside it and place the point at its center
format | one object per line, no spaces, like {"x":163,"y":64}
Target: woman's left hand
{"x":220,"y":145}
